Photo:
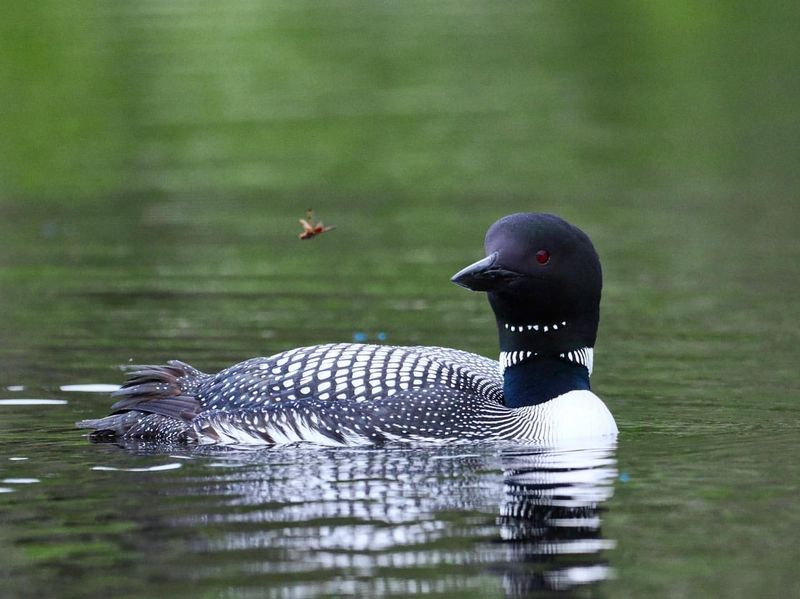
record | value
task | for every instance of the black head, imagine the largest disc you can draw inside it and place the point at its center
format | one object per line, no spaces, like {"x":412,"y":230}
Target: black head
{"x":543,"y":280}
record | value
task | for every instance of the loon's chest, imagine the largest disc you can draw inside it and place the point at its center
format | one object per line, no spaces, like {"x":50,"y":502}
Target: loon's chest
{"x":573,"y":415}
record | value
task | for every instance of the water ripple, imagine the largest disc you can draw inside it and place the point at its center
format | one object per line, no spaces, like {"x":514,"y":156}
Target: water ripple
{"x":32,"y":402}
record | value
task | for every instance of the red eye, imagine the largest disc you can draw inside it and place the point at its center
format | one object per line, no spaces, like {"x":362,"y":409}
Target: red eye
{"x":543,"y":256}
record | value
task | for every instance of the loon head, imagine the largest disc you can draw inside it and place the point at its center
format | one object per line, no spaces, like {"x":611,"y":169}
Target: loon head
{"x":543,"y":279}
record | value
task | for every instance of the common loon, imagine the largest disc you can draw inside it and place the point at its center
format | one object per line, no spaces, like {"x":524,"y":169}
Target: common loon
{"x":543,"y":279}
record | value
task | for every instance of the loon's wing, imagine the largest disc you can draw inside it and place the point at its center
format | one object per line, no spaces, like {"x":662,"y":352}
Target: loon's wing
{"x":350,"y":394}
{"x":347,"y":372}
{"x":433,"y":413}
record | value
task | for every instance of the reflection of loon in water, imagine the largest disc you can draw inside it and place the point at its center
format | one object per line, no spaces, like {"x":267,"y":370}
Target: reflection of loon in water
{"x":550,"y":521}
{"x":400,"y":521}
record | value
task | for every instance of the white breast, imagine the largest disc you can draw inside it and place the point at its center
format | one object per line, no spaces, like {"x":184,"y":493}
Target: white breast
{"x":573,"y":415}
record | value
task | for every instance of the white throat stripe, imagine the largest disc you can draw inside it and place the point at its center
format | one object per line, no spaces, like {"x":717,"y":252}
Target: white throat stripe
{"x":583,"y":356}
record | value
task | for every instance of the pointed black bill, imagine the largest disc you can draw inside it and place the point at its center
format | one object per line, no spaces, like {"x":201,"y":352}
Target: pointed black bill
{"x":484,"y":275}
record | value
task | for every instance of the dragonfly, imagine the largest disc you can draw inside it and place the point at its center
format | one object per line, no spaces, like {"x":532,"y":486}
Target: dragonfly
{"x":310,"y":230}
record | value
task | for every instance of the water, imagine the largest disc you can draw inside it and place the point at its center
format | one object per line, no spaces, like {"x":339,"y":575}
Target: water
{"x":155,"y":159}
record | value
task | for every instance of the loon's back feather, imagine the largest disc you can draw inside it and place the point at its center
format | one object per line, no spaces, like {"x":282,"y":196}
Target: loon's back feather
{"x":270,"y":400}
{"x":347,"y":371}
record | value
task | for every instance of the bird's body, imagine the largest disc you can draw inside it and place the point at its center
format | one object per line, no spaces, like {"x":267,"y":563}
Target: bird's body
{"x":357,"y":394}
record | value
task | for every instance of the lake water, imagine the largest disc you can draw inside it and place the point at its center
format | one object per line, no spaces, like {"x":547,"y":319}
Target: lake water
{"x":154,"y":160}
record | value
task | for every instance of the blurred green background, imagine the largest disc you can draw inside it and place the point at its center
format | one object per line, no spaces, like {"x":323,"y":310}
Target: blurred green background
{"x":155,"y":157}
{"x":410,"y":99}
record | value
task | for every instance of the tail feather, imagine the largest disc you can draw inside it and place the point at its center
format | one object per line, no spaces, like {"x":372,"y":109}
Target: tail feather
{"x":155,"y":402}
{"x":137,"y":425}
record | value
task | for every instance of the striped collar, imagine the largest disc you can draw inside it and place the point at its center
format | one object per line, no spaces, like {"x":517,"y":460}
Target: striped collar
{"x":583,"y":356}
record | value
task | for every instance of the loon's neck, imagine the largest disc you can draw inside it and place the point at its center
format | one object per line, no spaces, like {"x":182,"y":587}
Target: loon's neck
{"x":541,"y":378}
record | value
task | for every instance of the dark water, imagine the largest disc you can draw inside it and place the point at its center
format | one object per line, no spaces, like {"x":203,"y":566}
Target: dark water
{"x":154,"y":160}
